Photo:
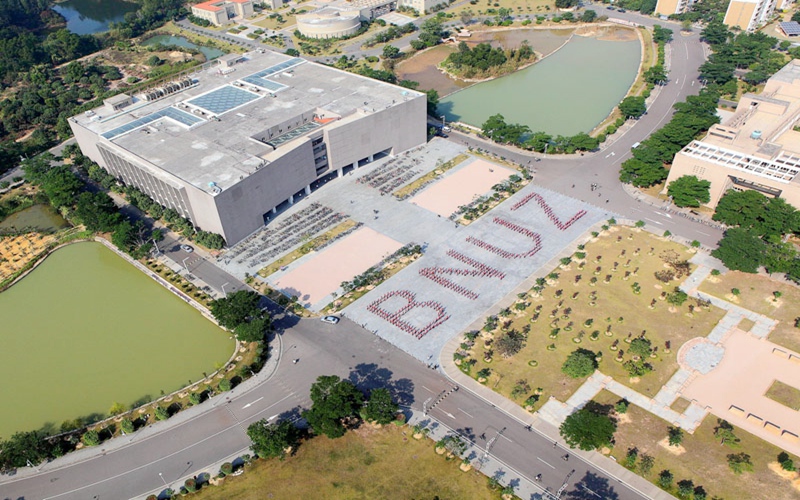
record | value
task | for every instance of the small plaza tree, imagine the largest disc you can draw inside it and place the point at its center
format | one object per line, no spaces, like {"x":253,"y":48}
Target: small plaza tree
{"x":333,"y":400}
{"x":589,"y":428}
{"x":272,"y":440}
{"x":580,"y":363}
{"x":380,"y":407}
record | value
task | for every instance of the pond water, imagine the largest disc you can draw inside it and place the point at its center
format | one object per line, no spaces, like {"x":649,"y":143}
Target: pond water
{"x":85,"y":330}
{"x":570,"y":91}
{"x":86,"y":17}
{"x":209,"y":52}
{"x":37,"y":217}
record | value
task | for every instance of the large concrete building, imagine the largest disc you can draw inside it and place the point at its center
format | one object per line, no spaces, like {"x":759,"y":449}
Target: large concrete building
{"x":757,"y":148}
{"x":749,"y":15}
{"x":231,"y":146}
{"x":222,"y":12}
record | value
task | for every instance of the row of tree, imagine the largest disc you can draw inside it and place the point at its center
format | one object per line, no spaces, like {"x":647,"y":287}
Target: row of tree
{"x":336,"y":405}
{"x":751,"y":51}
{"x":757,"y":237}
{"x":496,"y":128}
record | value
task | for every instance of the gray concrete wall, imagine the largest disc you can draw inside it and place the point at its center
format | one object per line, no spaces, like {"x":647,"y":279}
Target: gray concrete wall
{"x":87,"y":141}
{"x":399,"y":127}
{"x":242,"y":206}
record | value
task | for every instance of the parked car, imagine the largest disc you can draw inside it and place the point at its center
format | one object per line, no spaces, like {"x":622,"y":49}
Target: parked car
{"x":330,"y":319}
{"x":187,"y":248}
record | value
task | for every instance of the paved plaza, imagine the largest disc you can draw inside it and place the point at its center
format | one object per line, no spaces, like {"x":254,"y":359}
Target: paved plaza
{"x":462,"y":186}
{"x":467,"y":269}
{"x":314,"y":277}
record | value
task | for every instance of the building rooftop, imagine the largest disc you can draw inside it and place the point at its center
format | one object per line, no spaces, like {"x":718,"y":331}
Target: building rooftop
{"x":220,"y":128}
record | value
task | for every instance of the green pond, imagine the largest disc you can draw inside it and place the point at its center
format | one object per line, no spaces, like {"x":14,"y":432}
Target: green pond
{"x":85,"y":17}
{"x":179,"y":41}
{"x":37,"y":217}
{"x":571,"y":91}
{"x":85,"y":330}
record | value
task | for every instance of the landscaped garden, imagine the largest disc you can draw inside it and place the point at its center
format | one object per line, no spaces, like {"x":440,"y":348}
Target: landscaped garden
{"x":762,"y":295}
{"x":707,"y":458}
{"x":613,"y":305}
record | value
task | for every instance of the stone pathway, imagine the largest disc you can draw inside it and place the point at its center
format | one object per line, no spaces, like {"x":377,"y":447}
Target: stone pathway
{"x":699,"y":356}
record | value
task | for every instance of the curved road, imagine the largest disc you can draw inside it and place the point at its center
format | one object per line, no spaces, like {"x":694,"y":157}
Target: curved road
{"x":166,"y":452}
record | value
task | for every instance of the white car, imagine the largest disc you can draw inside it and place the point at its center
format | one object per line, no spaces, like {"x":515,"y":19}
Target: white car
{"x":187,"y":248}
{"x":330,"y":319}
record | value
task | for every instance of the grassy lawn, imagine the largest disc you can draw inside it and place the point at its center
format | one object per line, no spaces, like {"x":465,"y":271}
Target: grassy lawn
{"x":756,"y":294}
{"x":200,"y":39}
{"x":273,"y":24}
{"x":571,"y":295}
{"x":306,"y":248}
{"x":428,"y":178}
{"x":366,"y":463}
{"x":704,"y":460}
{"x":785,"y":395}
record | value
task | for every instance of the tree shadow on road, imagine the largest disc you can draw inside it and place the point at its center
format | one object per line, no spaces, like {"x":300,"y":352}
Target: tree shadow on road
{"x":368,"y":376}
{"x":591,"y":487}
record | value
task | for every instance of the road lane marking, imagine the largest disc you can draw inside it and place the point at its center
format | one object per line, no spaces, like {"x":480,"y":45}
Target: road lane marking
{"x":467,"y":414}
{"x":502,"y":436}
{"x":248,"y":405}
{"x":160,"y":459}
{"x":651,"y":220}
{"x":539,"y":459}
{"x":449,"y":414}
{"x":426,"y":389}
{"x":701,"y":232}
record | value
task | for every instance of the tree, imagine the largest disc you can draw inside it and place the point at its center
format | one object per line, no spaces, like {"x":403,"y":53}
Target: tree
{"x":677,"y":297}
{"x":642,"y":174}
{"x":236,"y":308}
{"x":390,"y":52}
{"x":433,"y":101}
{"x":646,"y":463}
{"x":661,"y":35}
{"x":127,"y":426}
{"x":566,"y":4}
{"x":724,"y":432}
{"x":272,"y":440}
{"x":252,"y":331}
{"x":588,"y":429}
{"x":786,"y":462}
{"x":509,"y":343}
{"x":97,"y":211}
{"x":665,"y":479}
{"x":333,"y":400}
{"x":91,"y":438}
{"x":739,"y":463}
{"x":740,"y":208}
{"x":715,"y":33}
{"x":632,"y":107}
{"x":580,"y":363}
{"x":641,"y":346}
{"x":655,"y":74}
{"x":380,"y":408}
{"x":674,"y":436}
{"x":740,"y":250}
{"x":588,"y":16}
{"x":685,"y":488}
{"x":161,"y":413}
{"x":689,"y":191}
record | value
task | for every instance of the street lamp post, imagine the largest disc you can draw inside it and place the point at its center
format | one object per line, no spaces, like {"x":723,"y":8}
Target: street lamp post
{"x":162,"y":478}
{"x":223,"y":289}
{"x":444,"y":123}
{"x":184,"y":264}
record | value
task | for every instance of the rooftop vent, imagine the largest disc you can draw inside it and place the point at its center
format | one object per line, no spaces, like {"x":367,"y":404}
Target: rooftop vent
{"x":756,"y":134}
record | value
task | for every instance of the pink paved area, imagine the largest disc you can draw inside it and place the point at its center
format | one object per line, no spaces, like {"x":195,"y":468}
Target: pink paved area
{"x":741,"y":379}
{"x":461,"y":187}
{"x":322,"y":274}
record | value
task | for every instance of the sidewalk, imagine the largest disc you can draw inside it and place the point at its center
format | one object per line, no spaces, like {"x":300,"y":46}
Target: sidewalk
{"x":544,"y":427}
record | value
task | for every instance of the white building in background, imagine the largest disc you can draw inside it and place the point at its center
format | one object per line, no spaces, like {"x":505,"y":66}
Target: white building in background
{"x":222,"y":12}
{"x":230,"y":147}
{"x":749,"y":15}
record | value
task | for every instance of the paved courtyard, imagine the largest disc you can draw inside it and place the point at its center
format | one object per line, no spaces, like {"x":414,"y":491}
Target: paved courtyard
{"x":465,"y":270}
{"x":462,"y":186}
{"x":314,"y":277}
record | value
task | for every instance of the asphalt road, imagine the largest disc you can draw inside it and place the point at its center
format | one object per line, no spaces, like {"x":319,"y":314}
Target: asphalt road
{"x":344,"y":349}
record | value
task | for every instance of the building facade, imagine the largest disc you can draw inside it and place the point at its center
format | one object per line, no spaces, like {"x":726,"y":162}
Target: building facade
{"x":749,"y":15}
{"x":757,"y":148}
{"x":343,"y":17}
{"x":232,"y":146}
{"x":222,"y":12}
{"x":669,"y":7}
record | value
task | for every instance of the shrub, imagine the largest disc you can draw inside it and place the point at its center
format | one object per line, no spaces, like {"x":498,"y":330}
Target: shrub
{"x":226,"y":469}
{"x":224,"y":385}
{"x":161,"y":413}
{"x":786,"y":462}
{"x":91,"y":438}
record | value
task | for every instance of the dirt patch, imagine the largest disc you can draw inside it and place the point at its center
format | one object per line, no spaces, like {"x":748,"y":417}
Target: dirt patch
{"x":675,"y":450}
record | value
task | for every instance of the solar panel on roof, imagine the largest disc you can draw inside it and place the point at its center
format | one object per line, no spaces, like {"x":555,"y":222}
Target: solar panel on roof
{"x":790,"y":28}
{"x":223,"y":99}
{"x":178,"y":115}
{"x":259,"y":79}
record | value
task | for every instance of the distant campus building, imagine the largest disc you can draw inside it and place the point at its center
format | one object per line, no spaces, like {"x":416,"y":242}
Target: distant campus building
{"x":221,"y":12}
{"x":232,"y":146}
{"x":748,"y":15}
{"x":669,"y":7}
{"x":757,"y":148}
{"x":343,"y":17}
